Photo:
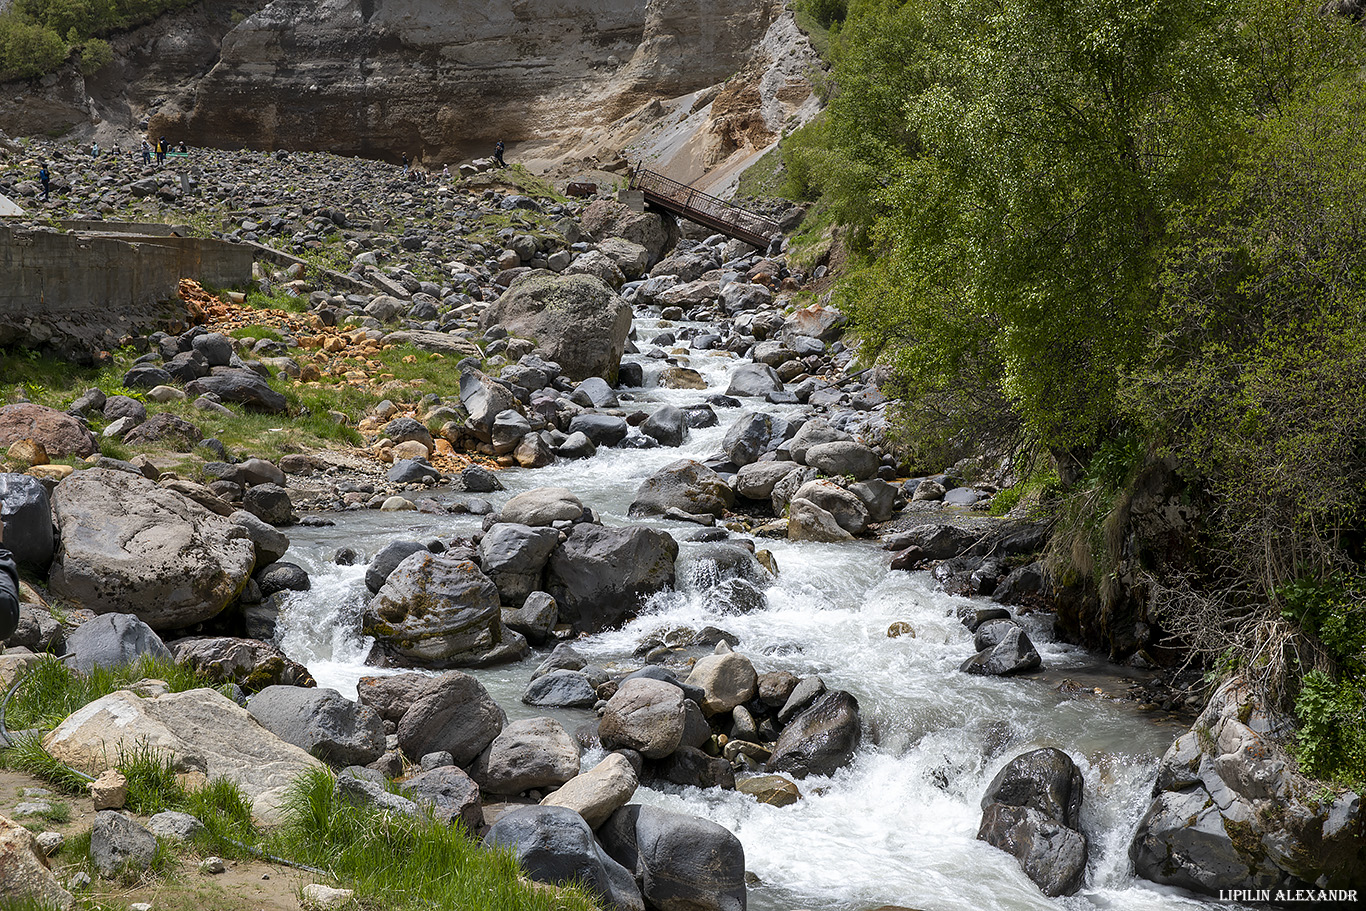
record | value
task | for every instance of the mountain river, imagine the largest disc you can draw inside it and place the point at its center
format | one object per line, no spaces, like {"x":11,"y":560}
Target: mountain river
{"x":898,"y":825}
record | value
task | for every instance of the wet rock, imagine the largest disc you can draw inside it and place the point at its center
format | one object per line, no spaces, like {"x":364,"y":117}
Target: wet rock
{"x":727,"y":680}
{"x":756,"y":480}
{"x":542,"y":506}
{"x":387,"y":560}
{"x":576,"y":320}
{"x":268,"y":544}
{"x":599,"y":575}
{"x":679,"y":861}
{"x":535,"y":619}
{"x":269,"y":503}
{"x":514,"y":556}
{"x":602,"y":429}
{"x":685,"y":485}
{"x":747,"y":438}
{"x":1032,"y":809}
{"x":753,"y":380}
{"x":555,"y":845}
{"x":668,"y":425}
{"x":436,"y":611}
{"x":561,"y":689}
{"x":820,"y":740}
{"x":1014,"y":654}
{"x":808,"y":522}
{"x":774,"y":790}
{"x":846,"y":508}
{"x":691,"y":767}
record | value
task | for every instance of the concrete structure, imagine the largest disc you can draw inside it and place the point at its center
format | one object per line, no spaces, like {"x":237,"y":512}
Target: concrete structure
{"x":79,"y":292}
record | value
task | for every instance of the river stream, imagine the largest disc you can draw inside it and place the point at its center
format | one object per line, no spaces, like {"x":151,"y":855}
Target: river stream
{"x":898,"y":825}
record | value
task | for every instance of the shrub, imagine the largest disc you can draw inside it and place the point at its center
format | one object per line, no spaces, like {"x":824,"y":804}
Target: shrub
{"x":28,"y":49}
{"x":95,"y":55}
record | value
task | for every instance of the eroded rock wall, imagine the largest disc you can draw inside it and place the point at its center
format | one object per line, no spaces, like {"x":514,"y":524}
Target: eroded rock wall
{"x":443,"y":80}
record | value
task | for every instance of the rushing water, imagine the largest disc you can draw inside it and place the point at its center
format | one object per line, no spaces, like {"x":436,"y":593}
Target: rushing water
{"x":898,"y":825}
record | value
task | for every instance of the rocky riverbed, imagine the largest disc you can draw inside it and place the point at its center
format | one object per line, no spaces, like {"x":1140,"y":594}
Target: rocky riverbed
{"x":632,"y":579}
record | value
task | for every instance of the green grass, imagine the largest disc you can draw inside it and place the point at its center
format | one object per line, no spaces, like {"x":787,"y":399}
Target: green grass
{"x":257,"y":331}
{"x":405,"y":864}
{"x":764,"y":178}
{"x":26,"y":754}
{"x":52,"y":689}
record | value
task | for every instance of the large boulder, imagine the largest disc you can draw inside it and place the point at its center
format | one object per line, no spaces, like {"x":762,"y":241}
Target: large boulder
{"x":578,"y":321}
{"x":685,"y":485}
{"x":555,"y":845}
{"x":451,"y":713}
{"x":60,"y":434}
{"x":249,"y":663}
{"x":561,"y":688}
{"x":435,"y":611}
{"x":1229,"y":810}
{"x":321,"y":721}
{"x":668,"y":425}
{"x":532,"y":753}
{"x":514,"y":557}
{"x":1013,"y":654}
{"x":646,"y":716}
{"x":542,"y":506}
{"x":815,"y":321}
{"x":756,"y":480}
{"x":1032,"y":809}
{"x":682,"y":863}
{"x":598,"y":793}
{"x":112,"y":640}
{"x":843,"y":458}
{"x":849,"y":512}
{"x":24,"y":868}
{"x":239,"y":385}
{"x":815,"y":432}
{"x":808,"y":522}
{"x":821,"y":739}
{"x":607,"y":218}
{"x":753,"y":380}
{"x":129,"y":546}
{"x":599,"y":575}
{"x":166,"y":431}
{"x":120,"y":845}
{"x":27,"y":516}
{"x":747,"y":438}
{"x":198,"y":730}
{"x":387,"y":560}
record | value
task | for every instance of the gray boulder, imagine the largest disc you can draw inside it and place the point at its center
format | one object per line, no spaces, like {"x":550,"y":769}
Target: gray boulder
{"x":112,"y":640}
{"x":542,"y":506}
{"x":282,"y":577}
{"x":846,"y":508}
{"x":245,"y":387}
{"x":268,"y":543}
{"x":747,"y":438}
{"x":600,"y":575}
{"x":452,"y":712}
{"x":129,"y":546}
{"x":756,"y":480}
{"x":685,"y":485}
{"x":250,"y":663}
{"x":1032,"y":810}
{"x":535,"y":619}
{"x":27,"y":516}
{"x":843,"y":458}
{"x":682,"y":863}
{"x":532,"y":753}
{"x":449,"y":794}
{"x":387,"y":560}
{"x":412,"y":471}
{"x":1051,"y":854}
{"x":327,"y":725}
{"x":820,"y":740}
{"x":753,"y":380}
{"x":561,"y":689}
{"x":668,"y":425}
{"x":118,"y":844}
{"x":555,"y":845}
{"x":814,"y":432}
{"x":646,"y":716}
{"x":484,"y":399}
{"x":174,"y":826}
{"x":595,"y":392}
{"x":727,"y":680}
{"x":1014,"y":654}
{"x":406,"y":429}
{"x":269,"y":503}
{"x":436,"y":611}
{"x":808,"y":522}
{"x":514,"y":557}
{"x":576,"y":320}
{"x":601,"y":429}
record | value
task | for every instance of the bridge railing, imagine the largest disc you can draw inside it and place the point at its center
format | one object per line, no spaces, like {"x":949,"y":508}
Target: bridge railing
{"x":704,"y":208}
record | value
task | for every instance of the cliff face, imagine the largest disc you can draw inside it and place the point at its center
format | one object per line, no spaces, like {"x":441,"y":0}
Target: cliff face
{"x":443,"y":80}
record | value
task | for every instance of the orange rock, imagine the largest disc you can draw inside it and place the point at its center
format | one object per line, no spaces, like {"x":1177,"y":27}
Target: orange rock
{"x":30,"y":452}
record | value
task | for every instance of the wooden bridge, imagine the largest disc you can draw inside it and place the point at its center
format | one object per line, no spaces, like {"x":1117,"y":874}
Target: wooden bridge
{"x":694,"y":205}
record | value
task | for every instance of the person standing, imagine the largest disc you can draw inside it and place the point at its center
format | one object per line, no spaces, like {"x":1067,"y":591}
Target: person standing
{"x":405,"y":164}
{"x":146,"y":153}
{"x":161,"y":151}
{"x":46,"y":180}
{"x":498,"y":154}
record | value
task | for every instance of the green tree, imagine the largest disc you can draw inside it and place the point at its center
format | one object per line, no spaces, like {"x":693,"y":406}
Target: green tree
{"x":27,"y":49}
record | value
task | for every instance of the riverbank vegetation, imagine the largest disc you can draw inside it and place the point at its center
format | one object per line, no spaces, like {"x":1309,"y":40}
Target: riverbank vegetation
{"x":1124,"y":236}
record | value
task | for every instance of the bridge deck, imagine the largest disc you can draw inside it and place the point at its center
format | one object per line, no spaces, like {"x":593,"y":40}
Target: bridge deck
{"x":717,"y":214}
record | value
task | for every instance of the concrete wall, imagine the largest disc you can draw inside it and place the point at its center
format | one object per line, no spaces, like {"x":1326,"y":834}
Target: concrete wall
{"x":82,"y":292}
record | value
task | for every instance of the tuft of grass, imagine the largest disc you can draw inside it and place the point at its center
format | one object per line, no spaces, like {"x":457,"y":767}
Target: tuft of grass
{"x":152,"y":783}
{"x":51,"y":689}
{"x":26,"y":754}
{"x":226,"y":814}
{"x":405,"y":863}
{"x":257,"y":331}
